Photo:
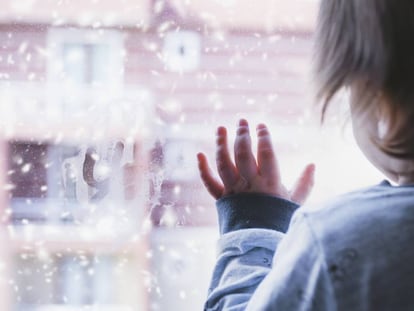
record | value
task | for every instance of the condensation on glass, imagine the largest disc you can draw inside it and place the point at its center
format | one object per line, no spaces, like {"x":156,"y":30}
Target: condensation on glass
{"x":103,"y":107}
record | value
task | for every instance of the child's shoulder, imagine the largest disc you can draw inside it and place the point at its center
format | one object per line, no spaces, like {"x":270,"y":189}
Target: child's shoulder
{"x":363,"y":200}
{"x":365,"y":233}
{"x":381,"y":207}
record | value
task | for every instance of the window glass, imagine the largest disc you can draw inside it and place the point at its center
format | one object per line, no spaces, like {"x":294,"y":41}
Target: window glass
{"x":103,"y":108}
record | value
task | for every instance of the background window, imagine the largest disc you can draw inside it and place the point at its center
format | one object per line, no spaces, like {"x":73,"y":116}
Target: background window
{"x":182,"y":50}
{"x":86,"y":63}
{"x":45,"y":184}
{"x":82,"y":65}
{"x":67,"y":281}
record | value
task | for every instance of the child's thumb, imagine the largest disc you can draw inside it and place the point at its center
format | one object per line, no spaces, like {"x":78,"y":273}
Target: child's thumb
{"x":303,"y":185}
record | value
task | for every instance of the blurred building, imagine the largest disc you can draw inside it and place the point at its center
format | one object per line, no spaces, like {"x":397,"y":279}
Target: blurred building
{"x":76,"y":77}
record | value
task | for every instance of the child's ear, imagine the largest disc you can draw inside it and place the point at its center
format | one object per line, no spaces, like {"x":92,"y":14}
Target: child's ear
{"x":382,"y":128}
{"x":383,"y":112}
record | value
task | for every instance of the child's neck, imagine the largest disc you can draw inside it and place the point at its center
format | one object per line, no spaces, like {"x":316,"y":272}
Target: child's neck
{"x":405,"y":180}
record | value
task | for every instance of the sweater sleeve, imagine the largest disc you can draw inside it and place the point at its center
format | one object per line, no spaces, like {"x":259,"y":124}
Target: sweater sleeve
{"x":262,"y":267}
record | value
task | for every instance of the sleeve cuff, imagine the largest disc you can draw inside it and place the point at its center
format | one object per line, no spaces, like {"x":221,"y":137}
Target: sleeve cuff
{"x":254,"y":210}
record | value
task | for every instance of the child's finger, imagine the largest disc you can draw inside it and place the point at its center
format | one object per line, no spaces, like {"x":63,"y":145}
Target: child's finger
{"x":266,"y":158}
{"x":212,"y":185}
{"x":245,"y":161}
{"x":225,"y":166}
{"x":304,"y":185}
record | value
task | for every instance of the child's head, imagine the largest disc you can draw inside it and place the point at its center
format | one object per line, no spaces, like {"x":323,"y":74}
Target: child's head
{"x":368,"y":47}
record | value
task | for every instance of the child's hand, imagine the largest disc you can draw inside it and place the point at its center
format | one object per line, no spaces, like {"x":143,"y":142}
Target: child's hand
{"x":247,"y":174}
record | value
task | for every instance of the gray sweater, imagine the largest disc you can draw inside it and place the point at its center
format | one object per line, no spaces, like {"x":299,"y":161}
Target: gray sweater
{"x":355,"y":253}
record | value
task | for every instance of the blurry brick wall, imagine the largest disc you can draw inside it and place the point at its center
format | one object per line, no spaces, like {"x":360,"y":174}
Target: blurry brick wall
{"x":241,"y":74}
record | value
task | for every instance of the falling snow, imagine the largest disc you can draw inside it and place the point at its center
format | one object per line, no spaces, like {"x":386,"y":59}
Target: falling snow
{"x":103,"y":107}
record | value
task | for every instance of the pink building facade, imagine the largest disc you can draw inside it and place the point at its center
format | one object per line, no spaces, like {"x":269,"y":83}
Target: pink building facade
{"x":158,"y":76}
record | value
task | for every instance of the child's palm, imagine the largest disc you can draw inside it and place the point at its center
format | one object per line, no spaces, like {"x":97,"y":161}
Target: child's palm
{"x":248,"y":175}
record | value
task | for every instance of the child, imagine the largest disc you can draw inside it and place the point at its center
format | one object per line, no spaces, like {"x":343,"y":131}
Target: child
{"x":355,"y":253}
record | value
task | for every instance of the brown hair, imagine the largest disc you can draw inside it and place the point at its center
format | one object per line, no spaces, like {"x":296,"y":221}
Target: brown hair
{"x":370,"y":44}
